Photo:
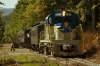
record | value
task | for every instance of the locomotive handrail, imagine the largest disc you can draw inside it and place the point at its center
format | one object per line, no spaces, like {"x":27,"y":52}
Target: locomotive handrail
{"x":41,"y":34}
{"x":82,"y":45}
{"x":76,"y":31}
{"x":58,"y":31}
{"x":52,"y":35}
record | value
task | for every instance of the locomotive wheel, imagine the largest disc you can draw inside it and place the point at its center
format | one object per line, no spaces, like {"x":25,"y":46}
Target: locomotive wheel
{"x":54,"y":54}
{"x":21,"y":45}
{"x":44,"y":49}
{"x":48,"y":50}
{"x":41,"y":50}
{"x":33,"y":48}
{"x":36,"y":48}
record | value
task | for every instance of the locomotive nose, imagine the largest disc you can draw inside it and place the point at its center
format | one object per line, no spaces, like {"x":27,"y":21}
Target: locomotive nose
{"x":66,"y":48}
{"x":66,"y":24}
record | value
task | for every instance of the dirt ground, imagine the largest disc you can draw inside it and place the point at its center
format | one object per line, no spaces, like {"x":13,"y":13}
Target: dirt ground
{"x":5,"y":50}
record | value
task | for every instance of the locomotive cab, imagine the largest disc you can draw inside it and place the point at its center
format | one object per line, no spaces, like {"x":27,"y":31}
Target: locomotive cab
{"x":24,"y":37}
{"x":27,"y":39}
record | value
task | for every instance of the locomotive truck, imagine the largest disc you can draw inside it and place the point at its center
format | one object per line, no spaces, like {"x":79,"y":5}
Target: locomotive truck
{"x":60,"y":34}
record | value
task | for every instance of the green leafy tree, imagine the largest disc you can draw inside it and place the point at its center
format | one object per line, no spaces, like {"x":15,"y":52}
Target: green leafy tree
{"x":1,"y":25}
{"x":29,"y":12}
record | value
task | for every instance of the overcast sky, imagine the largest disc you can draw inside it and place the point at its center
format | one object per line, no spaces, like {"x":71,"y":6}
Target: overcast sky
{"x":8,"y":3}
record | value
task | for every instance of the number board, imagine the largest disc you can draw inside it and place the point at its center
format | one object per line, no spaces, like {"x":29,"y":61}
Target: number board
{"x":59,"y":14}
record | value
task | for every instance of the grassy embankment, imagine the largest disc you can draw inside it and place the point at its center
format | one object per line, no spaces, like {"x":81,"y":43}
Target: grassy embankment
{"x":26,"y":60}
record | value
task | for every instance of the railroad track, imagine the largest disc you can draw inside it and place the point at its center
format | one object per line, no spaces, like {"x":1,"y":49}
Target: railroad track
{"x":71,"y":61}
{"x":64,"y":61}
{"x":81,"y":61}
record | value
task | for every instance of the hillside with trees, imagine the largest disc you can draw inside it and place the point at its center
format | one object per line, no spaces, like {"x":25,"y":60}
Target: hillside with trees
{"x":6,"y":11}
{"x":29,"y":12}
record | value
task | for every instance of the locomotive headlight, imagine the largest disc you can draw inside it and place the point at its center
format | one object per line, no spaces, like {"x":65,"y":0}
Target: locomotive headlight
{"x":66,"y":47}
{"x":63,"y":13}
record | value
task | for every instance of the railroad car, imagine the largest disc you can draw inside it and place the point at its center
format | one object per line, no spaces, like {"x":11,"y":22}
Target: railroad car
{"x":60,"y":34}
{"x":35,"y":35}
{"x":29,"y":37}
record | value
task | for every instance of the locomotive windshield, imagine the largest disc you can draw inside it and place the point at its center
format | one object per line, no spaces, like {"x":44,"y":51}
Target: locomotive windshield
{"x":58,"y":19}
{"x":65,"y":19}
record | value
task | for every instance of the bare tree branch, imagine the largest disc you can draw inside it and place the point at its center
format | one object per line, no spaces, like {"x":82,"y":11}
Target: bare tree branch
{"x":2,"y":3}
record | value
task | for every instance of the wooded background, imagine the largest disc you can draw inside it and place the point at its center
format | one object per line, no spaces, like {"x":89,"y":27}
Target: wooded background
{"x":28,"y":12}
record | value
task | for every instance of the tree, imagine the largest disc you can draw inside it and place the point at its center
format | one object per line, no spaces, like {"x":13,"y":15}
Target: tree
{"x":29,"y":12}
{"x":1,"y":3}
{"x":1,"y":25}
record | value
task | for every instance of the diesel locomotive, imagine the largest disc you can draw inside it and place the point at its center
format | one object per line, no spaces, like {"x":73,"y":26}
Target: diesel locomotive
{"x":60,"y":34}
